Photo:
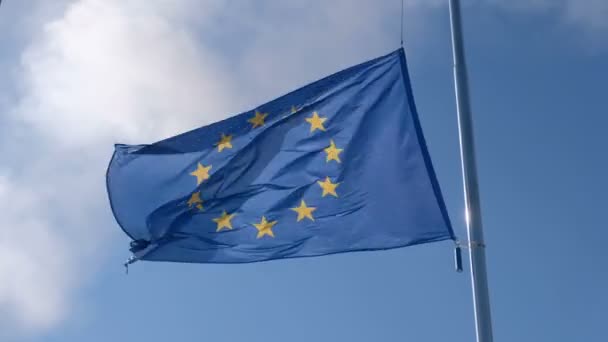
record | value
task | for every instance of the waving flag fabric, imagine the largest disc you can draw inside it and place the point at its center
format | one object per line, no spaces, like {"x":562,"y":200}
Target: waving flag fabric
{"x":339,"y":165}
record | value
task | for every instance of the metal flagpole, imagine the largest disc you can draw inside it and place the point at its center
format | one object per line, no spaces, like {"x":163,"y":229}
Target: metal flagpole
{"x":477,"y":257}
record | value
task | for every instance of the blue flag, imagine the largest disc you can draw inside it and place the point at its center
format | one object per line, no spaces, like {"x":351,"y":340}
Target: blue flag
{"x":339,"y":165}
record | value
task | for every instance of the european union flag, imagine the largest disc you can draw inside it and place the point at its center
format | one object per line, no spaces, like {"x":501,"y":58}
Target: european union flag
{"x":339,"y":165}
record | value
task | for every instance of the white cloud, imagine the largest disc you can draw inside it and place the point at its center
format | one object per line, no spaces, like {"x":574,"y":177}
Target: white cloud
{"x":30,"y":256}
{"x":590,"y":16}
{"x":108,"y":70}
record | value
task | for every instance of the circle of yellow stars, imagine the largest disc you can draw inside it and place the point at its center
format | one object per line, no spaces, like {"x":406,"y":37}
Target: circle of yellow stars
{"x":303,"y":211}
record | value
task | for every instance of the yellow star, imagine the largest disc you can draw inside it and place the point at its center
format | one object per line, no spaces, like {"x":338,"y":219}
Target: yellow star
{"x":265,"y":227}
{"x":224,"y":221}
{"x":201,"y":173}
{"x":316,"y":122}
{"x":225,"y":142}
{"x":328,"y":187}
{"x":258,"y":119}
{"x":333,"y":152}
{"x":195,"y":200}
{"x":304,"y":211}
{"x":294,"y":110}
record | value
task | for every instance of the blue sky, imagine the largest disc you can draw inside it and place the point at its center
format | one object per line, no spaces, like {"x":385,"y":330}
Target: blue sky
{"x":78,"y":76}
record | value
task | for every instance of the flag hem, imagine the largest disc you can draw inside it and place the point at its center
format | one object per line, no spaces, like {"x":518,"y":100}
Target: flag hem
{"x":110,"y":196}
{"x":425,"y":153}
{"x":141,"y":256}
